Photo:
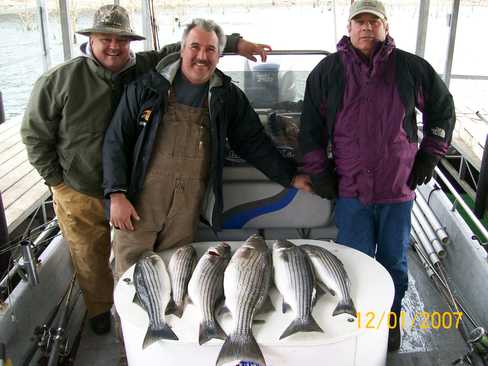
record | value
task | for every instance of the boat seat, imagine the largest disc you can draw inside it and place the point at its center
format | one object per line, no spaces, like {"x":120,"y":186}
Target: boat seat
{"x":251,"y":200}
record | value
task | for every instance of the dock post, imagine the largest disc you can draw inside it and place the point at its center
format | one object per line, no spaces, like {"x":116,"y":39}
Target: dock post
{"x":4,"y":258}
{"x":3,"y":224}
{"x":481,"y":203}
{"x":2,"y":111}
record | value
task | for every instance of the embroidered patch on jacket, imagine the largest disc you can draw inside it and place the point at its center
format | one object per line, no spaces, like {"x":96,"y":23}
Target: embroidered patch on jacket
{"x":439,"y":132}
{"x":146,"y":114}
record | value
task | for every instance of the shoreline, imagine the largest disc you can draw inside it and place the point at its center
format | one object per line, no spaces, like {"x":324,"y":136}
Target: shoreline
{"x":16,"y":7}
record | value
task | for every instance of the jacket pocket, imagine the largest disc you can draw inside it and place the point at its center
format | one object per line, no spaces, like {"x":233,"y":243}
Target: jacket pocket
{"x":85,"y":172}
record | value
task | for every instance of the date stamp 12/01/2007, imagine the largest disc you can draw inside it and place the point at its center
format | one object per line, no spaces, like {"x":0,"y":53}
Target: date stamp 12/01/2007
{"x":418,"y":320}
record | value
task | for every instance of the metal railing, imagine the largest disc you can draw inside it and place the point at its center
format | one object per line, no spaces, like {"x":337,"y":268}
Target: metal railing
{"x":459,"y":200}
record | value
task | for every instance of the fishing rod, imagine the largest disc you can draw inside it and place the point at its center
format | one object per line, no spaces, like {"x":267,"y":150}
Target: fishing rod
{"x":476,"y":339}
{"x":60,"y":336}
{"x":4,"y":361}
{"x":42,"y":332}
{"x":70,"y":358}
{"x":15,"y":243}
{"x":154,"y":25}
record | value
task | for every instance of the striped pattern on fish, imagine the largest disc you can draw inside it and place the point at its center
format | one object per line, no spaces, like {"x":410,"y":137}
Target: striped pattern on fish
{"x":330,"y":273}
{"x":181,"y":266}
{"x":294,"y":279}
{"x":206,"y":288}
{"x":246,"y":284}
{"x":153,"y":289}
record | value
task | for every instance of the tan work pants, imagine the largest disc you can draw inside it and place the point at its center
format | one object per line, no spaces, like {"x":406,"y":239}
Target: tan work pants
{"x":82,"y":222}
{"x":169,"y":204}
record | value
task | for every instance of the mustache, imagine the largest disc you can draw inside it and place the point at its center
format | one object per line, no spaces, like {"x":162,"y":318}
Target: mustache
{"x":112,"y":53}
{"x":198,"y":61}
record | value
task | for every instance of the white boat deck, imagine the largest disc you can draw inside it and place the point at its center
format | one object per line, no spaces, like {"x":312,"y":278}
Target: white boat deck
{"x":23,"y":190}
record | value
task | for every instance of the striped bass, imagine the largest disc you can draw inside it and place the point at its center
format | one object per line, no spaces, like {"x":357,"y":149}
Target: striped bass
{"x":153,"y":289}
{"x":206,"y":288}
{"x":294,"y":279}
{"x":246,"y":283}
{"x":181,"y":266}
{"x":332,"y":276}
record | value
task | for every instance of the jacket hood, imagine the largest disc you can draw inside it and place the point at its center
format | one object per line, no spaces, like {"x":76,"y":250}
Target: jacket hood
{"x":381,"y":52}
{"x":169,"y":66}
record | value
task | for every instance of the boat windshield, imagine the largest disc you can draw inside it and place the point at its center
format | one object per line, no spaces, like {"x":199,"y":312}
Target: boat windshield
{"x":275,"y":89}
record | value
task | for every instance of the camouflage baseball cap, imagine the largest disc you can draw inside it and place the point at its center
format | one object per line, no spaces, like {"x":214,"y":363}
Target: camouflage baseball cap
{"x":111,"y":19}
{"x":367,"y":6}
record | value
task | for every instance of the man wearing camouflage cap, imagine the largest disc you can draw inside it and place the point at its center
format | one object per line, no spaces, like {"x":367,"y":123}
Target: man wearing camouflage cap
{"x":360,"y":102}
{"x":63,"y":129}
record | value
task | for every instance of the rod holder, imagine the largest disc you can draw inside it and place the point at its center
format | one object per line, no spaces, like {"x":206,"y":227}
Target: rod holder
{"x":30,"y":262}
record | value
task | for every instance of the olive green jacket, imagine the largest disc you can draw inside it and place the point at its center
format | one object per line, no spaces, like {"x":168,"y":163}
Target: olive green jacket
{"x":68,"y":112}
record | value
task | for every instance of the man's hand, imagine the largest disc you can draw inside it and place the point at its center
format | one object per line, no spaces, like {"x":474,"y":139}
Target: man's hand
{"x":302,"y":182}
{"x":248,"y":49}
{"x":121,"y":212}
{"x":325,"y":185}
{"x":423,"y":169}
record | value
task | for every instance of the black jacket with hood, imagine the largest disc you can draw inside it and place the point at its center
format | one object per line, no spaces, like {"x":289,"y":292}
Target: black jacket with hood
{"x":129,"y":140}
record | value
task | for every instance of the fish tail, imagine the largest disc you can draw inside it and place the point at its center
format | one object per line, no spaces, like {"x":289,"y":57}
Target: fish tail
{"x":345,"y":306}
{"x":240,"y":347}
{"x":153,"y":335}
{"x":302,"y":325}
{"x":208,"y":330}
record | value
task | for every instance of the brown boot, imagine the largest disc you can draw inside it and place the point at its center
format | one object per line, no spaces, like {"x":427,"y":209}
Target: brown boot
{"x":100,"y":324}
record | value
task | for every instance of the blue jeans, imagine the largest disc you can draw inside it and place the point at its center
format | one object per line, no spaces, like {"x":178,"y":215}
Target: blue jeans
{"x":381,"y":231}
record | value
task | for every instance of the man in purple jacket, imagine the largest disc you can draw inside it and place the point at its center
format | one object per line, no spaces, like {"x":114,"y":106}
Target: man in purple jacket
{"x":360,"y":144}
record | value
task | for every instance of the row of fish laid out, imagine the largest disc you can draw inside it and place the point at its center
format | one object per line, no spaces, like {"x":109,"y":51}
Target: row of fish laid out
{"x":300,"y":274}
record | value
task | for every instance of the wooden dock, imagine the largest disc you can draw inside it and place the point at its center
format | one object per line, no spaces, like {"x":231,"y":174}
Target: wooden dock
{"x":23,"y":190}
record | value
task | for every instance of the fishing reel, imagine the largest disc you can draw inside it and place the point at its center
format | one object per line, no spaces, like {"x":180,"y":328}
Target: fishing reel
{"x":478,"y":338}
{"x":58,"y":342}
{"x":46,"y":339}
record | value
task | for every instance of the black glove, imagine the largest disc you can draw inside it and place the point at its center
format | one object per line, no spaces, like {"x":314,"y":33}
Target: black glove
{"x":325,"y":185}
{"x":423,"y":168}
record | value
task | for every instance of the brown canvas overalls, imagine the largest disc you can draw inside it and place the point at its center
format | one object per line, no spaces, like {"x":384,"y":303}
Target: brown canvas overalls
{"x":170,"y":201}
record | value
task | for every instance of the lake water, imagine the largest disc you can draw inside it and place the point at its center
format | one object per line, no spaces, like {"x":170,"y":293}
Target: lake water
{"x":283,"y":27}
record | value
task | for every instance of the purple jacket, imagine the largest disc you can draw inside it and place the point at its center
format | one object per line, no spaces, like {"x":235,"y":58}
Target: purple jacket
{"x":373,"y":154}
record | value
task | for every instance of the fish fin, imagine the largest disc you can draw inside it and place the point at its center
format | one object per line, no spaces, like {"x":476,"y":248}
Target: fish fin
{"x":258,"y":321}
{"x":179,"y":310}
{"x":266,"y":307}
{"x":301,"y":325}
{"x":285,"y":307}
{"x":221,"y":310}
{"x":240,"y":347}
{"x":153,"y":335}
{"x":319,"y":292}
{"x":209,"y":330}
{"x":175,"y":309}
{"x":171,"y":307}
{"x":326,"y":289}
{"x":136,"y":300}
{"x":345,"y":306}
